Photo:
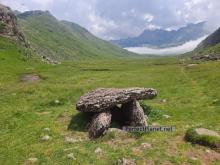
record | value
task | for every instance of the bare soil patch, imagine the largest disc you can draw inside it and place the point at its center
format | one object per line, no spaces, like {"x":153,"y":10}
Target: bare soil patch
{"x":33,"y":77}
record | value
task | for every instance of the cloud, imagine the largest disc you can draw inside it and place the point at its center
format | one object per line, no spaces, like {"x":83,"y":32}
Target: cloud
{"x":187,"y":47}
{"x":43,"y":4}
{"x":148,"y":17}
{"x":152,"y":27}
{"x":16,"y":5}
{"x":126,"y":18}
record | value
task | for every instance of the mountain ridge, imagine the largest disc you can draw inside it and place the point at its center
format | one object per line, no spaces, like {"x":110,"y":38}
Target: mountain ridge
{"x":160,"y":38}
{"x":211,"y":40}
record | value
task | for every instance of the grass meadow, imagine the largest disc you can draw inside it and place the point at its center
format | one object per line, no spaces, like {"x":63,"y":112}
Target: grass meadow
{"x":189,"y":94}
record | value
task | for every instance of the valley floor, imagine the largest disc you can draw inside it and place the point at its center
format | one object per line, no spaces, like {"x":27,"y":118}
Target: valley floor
{"x":189,"y":94}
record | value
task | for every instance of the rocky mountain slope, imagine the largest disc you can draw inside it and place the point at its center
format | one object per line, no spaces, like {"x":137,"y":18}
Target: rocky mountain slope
{"x":8,"y":25}
{"x":211,"y":40}
{"x":208,"y":49}
{"x":163,"y":38}
{"x":62,"y":40}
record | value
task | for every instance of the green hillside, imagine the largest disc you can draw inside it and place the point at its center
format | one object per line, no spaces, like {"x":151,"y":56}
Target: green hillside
{"x":63,"y":40}
{"x":210,"y":46}
{"x":212,"y":50}
{"x":199,"y":52}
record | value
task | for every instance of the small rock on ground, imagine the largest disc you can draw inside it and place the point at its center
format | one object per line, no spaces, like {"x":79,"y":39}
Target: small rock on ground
{"x":46,"y":129}
{"x":71,"y":140}
{"x":155,"y":124}
{"x":119,"y":131}
{"x":166,"y":116}
{"x":31,"y":160}
{"x":191,"y":65}
{"x":43,"y":113}
{"x":193,"y":158}
{"x":71,"y":156}
{"x":57,"y":101}
{"x":124,"y":161}
{"x":146,"y":145}
{"x":45,"y":138}
{"x":98,"y":151}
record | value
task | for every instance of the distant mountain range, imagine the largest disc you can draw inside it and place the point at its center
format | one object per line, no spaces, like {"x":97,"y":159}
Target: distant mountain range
{"x":160,"y":38}
{"x":63,"y":40}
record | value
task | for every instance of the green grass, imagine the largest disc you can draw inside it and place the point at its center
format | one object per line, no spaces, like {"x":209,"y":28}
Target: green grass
{"x":27,"y":108}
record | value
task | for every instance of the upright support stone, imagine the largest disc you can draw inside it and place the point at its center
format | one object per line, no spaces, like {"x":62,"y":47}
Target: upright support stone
{"x":134,"y":114}
{"x":99,"y":124}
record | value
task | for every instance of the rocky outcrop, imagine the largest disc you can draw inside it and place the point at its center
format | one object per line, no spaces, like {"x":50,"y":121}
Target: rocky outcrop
{"x":8,"y":25}
{"x":103,"y":99}
{"x":211,"y":40}
{"x":118,"y":105}
{"x":213,"y":57}
{"x":8,"y":21}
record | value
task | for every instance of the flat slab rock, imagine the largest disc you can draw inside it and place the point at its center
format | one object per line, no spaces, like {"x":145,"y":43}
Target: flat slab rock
{"x":204,"y":131}
{"x":105,"y":98}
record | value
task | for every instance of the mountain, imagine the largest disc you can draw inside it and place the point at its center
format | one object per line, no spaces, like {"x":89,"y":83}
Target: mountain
{"x":208,"y":49}
{"x":63,"y":40}
{"x":9,"y":27}
{"x":163,"y":38}
{"x":211,"y":40}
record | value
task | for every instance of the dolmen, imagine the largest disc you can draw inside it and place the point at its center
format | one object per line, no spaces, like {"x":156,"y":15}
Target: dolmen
{"x":112,"y":104}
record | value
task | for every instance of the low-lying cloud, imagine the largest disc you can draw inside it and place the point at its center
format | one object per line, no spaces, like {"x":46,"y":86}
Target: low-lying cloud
{"x":187,"y":47}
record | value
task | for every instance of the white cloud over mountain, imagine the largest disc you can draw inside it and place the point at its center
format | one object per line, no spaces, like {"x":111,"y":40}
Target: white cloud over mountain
{"x":187,"y":47}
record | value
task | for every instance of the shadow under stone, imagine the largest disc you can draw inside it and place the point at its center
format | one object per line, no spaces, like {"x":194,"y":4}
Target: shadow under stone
{"x":80,"y":122}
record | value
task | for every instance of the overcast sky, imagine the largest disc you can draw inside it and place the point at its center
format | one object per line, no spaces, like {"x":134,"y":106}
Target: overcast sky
{"x":113,"y":19}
